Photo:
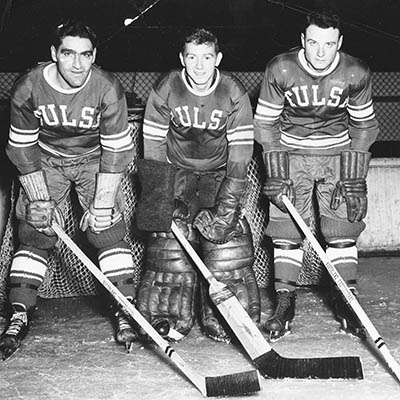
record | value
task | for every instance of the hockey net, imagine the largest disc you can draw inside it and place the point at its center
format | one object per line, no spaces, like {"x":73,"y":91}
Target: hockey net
{"x":66,"y":276}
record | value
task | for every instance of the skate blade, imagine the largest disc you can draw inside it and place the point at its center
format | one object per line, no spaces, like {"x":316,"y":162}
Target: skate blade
{"x":174,"y":335}
{"x":274,"y":336}
{"x":129,"y":347}
{"x":10,"y":354}
{"x":346,"y":329}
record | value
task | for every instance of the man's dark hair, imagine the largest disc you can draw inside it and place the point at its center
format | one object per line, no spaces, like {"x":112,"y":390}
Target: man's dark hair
{"x":323,"y":18}
{"x":75,"y":28}
{"x":200,"y":36}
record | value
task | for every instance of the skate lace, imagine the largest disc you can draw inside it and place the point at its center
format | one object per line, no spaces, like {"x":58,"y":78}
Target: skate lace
{"x":17,"y":323}
{"x":283,"y":304}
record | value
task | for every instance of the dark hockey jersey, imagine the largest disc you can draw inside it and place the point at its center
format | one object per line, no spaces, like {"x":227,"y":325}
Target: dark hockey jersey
{"x":68,"y":123}
{"x":196,"y":130}
{"x":302,"y":111}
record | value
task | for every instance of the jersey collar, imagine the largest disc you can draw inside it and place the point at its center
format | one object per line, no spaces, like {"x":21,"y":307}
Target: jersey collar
{"x":304,"y":64}
{"x":46,"y":76}
{"x":197,"y":92}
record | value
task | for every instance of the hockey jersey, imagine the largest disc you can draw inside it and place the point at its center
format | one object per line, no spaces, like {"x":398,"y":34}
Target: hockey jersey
{"x":91,"y":119}
{"x":302,"y":111}
{"x":201,"y":131}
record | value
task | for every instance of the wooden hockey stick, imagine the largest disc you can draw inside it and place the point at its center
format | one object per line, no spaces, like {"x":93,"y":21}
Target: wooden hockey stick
{"x":268,"y":361}
{"x":346,"y":292}
{"x":228,"y":385}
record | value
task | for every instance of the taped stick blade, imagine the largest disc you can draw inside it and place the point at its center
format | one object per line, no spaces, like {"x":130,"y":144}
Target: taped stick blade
{"x":242,"y":383}
{"x":273,"y":365}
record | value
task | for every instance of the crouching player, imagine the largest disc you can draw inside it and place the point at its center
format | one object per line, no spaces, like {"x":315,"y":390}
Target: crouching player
{"x":69,"y":126}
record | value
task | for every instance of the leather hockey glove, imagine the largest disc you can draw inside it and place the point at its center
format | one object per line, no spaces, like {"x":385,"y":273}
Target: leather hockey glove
{"x":41,"y":210}
{"x":219,"y":224}
{"x":352,"y":186}
{"x":104,"y":212}
{"x":181,"y":216}
{"x":278,"y":182}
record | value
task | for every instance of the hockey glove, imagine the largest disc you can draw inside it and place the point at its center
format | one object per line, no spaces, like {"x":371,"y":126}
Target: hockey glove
{"x":41,"y":213}
{"x":352,"y":186}
{"x":219,"y":224}
{"x":41,"y":210}
{"x":104,"y":212}
{"x":181,"y":216}
{"x":278,"y":182}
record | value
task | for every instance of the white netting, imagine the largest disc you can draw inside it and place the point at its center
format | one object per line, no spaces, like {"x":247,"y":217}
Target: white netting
{"x":67,"y":276}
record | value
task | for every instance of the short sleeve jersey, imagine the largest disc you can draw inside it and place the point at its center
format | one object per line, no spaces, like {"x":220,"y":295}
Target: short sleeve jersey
{"x":69,"y":123}
{"x":199,"y":130}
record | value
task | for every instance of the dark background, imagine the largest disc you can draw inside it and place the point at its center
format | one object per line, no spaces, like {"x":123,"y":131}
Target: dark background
{"x":250,"y":31}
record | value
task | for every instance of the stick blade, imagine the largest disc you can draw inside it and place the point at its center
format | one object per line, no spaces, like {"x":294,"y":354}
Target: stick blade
{"x":238,"y":384}
{"x":273,"y":365}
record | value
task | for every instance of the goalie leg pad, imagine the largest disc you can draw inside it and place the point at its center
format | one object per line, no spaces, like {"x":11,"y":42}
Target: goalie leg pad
{"x":231,"y":263}
{"x":167,"y":289}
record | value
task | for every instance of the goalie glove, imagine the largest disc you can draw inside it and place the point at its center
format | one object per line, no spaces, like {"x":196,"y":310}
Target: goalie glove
{"x":104,"y":212}
{"x":41,"y":210}
{"x":352,"y":186}
{"x":219,"y":224}
{"x":278,"y":182}
{"x":181,"y":216}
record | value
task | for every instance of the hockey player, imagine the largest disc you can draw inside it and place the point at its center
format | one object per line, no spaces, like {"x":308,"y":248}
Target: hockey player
{"x":316,"y":123}
{"x":68,"y":126}
{"x":198,"y":124}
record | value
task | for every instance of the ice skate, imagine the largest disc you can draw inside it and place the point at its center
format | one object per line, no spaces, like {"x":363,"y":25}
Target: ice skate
{"x":11,"y":338}
{"x":345,"y":315}
{"x":125,"y":332}
{"x":209,"y":322}
{"x":278,"y":325}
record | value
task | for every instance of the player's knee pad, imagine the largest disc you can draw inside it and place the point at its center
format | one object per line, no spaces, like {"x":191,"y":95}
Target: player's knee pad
{"x":334,"y":230}
{"x":168,"y":287}
{"x":31,"y":237}
{"x":232,"y":263}
{"x":284,"y":230}
{"x":108,"y":237}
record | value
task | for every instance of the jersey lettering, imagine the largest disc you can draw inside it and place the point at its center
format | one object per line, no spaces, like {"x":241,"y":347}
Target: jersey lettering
{"x":335,"y":97}
{"x":191,"y":118}
{"x":56,"y":115}
{"x":87,"y":118}
{"x":65,"y":121}
{"x":302,"y":97}
{"x":196,"y":123}
{"x":215,"y":118}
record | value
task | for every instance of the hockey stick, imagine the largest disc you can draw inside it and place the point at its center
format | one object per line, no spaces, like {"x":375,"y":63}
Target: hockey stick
{"x":268,"y":361}
{"x":346,"y":292}
{"x":227,"y":385}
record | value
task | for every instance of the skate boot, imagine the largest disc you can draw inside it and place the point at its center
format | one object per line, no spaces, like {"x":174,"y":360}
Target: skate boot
{"x":11,"y":338}
{"x":278,"y":324}
{"x":125,"y":332}
{"x":346,"y":316}
{"x":210,"y":324}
